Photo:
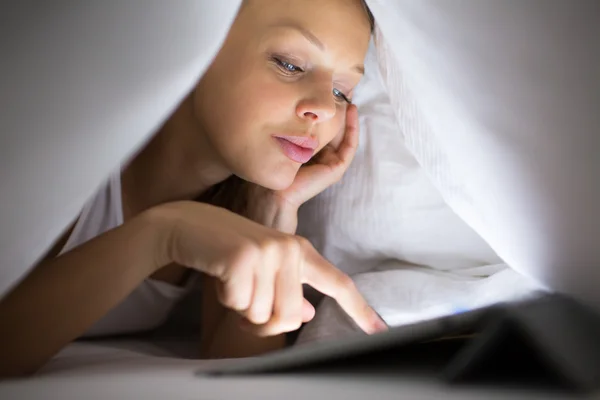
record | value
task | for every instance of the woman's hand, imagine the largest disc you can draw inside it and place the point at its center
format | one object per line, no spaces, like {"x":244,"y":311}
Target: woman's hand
{"x":279,"y":209}
{"x":327,"y":167}
{"x":260,"y":271}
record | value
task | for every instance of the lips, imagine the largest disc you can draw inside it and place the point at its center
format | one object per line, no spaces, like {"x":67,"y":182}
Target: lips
{"x":297,"y":148}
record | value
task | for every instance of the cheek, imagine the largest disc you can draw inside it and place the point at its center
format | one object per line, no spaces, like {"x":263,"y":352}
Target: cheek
{"x":264,"y":103}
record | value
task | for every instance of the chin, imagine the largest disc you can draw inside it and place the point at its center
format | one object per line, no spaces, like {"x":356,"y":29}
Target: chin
{"x":275,"y":179}
{"x":276,"y":182}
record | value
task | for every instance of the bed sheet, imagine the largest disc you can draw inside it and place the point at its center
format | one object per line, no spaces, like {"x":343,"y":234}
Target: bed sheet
{"x":134,"y":370}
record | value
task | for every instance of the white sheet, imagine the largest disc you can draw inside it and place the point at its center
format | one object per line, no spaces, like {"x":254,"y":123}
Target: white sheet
{"x":499,"y":102}
{"x":139,"y":376}
{"x":83,"y":87}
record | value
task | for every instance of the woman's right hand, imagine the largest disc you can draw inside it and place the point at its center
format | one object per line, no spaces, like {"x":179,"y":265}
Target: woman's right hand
{"x":260,"y":270}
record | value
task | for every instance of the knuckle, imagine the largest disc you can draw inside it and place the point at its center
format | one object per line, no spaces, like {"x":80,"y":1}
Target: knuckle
{"x":293,"y":245}
{"x":304,"y":243}
{"x":249,"y":252}
{"x":269,"y":245}
{"x":280,"y":246}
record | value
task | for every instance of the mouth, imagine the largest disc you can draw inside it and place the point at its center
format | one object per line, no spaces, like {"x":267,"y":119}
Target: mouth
{"x":299,"y":149}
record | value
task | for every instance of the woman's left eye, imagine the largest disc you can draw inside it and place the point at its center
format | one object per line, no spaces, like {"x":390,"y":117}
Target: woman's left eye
{"x":341,"y":96}
{"x":287,"y":67}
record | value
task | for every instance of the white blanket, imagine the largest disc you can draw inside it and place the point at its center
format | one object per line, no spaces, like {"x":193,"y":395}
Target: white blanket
{"x":510,"y":103}
{"x":498,"y":101}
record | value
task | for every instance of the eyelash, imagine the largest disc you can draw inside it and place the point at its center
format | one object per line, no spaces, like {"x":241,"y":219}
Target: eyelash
{"x":291,"y":69}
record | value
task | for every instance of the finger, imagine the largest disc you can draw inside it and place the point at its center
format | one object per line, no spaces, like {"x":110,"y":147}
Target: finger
{"x":328,"y":156}
{"x":308,"y":311}
{"x":349,"y":145}
{"x":289,"y":301}
{"x":288,"y":304}
{"x":235,"y":292}
{"x":332,"y":282}
{"x":261,"y":307}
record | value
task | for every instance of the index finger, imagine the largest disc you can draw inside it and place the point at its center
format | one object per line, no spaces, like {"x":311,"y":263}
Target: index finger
{"x":327,"y":279}
{"x":347,"y":148}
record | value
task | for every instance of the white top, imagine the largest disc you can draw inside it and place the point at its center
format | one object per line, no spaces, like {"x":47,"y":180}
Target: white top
{"x":147,"y":306}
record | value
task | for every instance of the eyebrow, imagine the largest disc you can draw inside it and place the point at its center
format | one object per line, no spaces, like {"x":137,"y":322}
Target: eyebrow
{"x":312,"y":39}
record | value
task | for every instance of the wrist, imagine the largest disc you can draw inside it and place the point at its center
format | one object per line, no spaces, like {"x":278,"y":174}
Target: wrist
{"x":269,"y":209}
{"x":284,"y":215}
{"x":158,"y":224}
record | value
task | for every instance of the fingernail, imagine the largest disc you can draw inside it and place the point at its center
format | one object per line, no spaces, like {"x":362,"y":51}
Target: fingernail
{"x":379,"y":325}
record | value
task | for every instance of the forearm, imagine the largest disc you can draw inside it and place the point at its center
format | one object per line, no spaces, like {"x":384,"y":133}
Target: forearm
{"x":63,"y":297}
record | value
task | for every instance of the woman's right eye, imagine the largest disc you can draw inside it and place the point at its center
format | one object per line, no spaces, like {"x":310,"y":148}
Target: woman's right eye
{"x":287,"y":67}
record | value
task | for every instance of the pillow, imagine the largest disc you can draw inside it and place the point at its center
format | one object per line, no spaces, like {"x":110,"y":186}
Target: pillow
{"x":499,"y":103}
{"x":386,"y":207}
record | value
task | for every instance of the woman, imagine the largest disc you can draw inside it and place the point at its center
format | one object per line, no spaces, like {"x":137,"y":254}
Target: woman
{"x":278,"y":93}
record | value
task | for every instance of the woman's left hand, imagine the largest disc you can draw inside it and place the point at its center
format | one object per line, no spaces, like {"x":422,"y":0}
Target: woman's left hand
{"x":327,"y":167}
{"x":278,"y":209}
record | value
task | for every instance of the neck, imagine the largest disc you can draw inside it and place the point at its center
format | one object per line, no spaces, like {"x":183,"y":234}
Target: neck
{"x":178,"y":164}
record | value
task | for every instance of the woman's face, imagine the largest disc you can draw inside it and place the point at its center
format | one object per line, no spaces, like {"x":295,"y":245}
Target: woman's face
{"x":286,"y":69}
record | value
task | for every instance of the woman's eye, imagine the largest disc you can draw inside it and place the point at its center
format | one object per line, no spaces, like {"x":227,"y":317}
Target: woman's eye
{"x":341,"y":96}
{"x":287,"y":67}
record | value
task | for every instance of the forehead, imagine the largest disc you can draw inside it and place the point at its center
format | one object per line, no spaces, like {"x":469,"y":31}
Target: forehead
{"x":337,"y":25}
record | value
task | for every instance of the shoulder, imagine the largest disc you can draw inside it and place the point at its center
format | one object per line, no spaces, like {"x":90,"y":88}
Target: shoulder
{"x":101,"y":213}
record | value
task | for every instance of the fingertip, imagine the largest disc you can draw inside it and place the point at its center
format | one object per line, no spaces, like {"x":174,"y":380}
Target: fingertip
{"x":378,"y":325}
{"x":308,"y":311}
{"x":258,"y":319}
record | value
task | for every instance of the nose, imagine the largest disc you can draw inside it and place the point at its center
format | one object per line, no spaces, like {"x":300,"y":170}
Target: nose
{"x":318,"y":105}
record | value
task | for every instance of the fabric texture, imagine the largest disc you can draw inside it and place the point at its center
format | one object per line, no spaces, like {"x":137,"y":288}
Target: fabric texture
{"x":83,"y":88}
{"x":149,"y":305}
{"x":498,"y":102}
{"x":386,"y":206}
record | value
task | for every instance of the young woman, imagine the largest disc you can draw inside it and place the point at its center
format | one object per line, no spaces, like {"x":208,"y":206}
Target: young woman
{"x":215,"y":195}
